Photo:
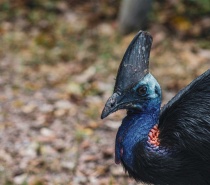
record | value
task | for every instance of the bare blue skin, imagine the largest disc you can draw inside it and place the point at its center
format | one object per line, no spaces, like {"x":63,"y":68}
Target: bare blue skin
{"x":140,"y":119}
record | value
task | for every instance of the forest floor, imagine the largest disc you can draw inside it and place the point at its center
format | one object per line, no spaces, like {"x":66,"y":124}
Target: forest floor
{"x":56,"y":72}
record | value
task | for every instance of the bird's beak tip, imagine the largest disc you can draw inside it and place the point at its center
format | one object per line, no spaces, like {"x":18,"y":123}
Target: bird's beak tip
{"x":103,"y":115}
{"x":110,"y":106}
{"x":106,"y":111}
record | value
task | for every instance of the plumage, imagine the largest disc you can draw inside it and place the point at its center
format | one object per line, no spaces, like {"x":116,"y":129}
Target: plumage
{"x":168,"y":146}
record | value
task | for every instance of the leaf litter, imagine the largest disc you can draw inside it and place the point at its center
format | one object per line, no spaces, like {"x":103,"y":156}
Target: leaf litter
{"x":57,"y":70}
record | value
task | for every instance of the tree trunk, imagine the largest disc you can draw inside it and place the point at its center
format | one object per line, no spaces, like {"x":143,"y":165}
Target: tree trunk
{"x":133,"y":15}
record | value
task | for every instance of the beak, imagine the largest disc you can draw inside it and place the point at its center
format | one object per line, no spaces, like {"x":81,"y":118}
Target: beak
{"x":119,"y":101}
{"x":111,"y":105}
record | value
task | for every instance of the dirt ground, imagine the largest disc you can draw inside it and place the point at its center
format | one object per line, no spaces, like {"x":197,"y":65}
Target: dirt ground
{"x":57,"y":69}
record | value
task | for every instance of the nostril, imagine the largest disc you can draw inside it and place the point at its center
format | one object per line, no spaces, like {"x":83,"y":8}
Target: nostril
{"x":112,"y":103}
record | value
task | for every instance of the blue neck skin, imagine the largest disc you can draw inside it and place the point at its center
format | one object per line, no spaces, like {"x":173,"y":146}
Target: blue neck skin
{"x":135,"y":128}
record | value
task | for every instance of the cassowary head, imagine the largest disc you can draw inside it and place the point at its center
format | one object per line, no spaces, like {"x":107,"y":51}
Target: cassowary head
{"x":135,"y":88}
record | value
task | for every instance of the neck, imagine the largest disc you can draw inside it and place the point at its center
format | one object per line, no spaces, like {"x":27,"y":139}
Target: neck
{"x":134,"y":129}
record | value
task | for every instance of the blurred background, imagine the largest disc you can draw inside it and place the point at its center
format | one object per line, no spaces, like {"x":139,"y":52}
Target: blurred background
{"x":58,"y":61}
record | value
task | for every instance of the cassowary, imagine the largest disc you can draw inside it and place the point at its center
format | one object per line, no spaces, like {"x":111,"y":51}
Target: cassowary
{"x":168,"y":146}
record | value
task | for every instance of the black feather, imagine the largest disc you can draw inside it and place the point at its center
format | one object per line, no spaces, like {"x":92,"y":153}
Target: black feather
{"x":184,"y":126}
{"x":174,"y":168}
{"x":185,"y":120}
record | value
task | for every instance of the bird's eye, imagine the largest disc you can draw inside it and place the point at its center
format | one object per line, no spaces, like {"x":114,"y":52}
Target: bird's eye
{"x":142,"y":90}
